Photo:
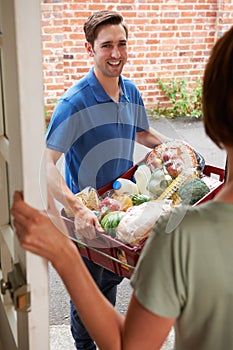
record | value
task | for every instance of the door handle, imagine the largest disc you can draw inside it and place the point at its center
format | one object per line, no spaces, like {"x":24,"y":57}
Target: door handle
{"x":18,"y":288}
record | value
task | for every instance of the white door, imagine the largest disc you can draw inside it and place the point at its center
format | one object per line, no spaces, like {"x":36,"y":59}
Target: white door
{"x":24,"y":311}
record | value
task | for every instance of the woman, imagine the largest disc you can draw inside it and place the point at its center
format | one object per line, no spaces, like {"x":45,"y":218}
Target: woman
{"x":184,"y":275}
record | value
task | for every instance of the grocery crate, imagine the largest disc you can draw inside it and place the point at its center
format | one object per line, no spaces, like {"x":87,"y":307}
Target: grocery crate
{"x":217,"y":176}
{"x":106,"y":251}
{"x":116,"y":256}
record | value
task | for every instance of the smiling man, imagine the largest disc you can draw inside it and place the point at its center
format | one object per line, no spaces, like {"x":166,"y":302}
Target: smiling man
{"x":95,"y":125}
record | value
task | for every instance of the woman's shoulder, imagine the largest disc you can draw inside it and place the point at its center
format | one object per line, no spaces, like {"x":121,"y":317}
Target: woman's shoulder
{"x":188,"y":218}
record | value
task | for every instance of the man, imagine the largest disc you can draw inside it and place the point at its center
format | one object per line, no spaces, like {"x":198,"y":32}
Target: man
{"x":95,"y":124}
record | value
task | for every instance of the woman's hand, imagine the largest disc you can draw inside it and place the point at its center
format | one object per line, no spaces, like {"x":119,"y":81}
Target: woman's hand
{"x":38,"y":231}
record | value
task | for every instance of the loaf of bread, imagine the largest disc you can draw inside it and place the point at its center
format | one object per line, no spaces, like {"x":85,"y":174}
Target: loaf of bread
{"x":89,"y":197}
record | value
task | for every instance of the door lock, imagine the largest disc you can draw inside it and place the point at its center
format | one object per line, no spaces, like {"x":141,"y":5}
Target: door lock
{"x":18,"y":289}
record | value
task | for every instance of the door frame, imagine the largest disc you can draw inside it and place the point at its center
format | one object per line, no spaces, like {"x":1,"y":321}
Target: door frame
{"x":23,"y":149}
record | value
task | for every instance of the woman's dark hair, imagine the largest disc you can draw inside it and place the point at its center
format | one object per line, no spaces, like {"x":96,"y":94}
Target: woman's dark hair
{"x":101,"y":18}
{"x":218,"y":92}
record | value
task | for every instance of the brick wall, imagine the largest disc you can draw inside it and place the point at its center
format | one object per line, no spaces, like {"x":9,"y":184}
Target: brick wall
{"x":167,"y":39}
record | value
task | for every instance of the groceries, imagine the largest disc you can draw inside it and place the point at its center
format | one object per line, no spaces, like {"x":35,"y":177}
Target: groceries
{"x":165,"y":168}
{"x":158,"y":182}
{"x":139,"y":198}
{"x":193,"y":190}
{"x":175,"y":156}
{"x":89,"y":197}
{"x":122,"y":186}
{"x":142,"y":176}
{"x":130,"y":206}
{"x":113,"y":252}
{"x":111,"y":221}
{"x":137,"y":223}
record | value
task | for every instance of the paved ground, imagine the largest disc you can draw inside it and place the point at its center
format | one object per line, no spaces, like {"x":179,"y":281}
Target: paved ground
{"x":189,"y":130}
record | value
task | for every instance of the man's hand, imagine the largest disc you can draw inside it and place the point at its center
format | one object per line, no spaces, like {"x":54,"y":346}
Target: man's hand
{"x":86,"y":223}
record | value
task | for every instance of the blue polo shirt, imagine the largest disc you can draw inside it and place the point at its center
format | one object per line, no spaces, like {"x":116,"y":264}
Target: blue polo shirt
{"x":96,"y":134}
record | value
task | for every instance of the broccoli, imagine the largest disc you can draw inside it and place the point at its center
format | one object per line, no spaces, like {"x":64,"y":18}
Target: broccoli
{"x":193,"y":190}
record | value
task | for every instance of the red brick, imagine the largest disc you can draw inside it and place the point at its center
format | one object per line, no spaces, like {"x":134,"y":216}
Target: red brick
{"x":166,"y":39}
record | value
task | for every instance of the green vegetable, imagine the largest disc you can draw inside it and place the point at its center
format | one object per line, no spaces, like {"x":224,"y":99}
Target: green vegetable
{"x":192,"y":191}
{"x":110,"y":222}
{"x":139,"y":198}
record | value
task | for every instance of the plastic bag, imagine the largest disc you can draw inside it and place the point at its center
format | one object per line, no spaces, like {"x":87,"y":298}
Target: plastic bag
{"x":89,"y":197}
{"x":138,"y":222}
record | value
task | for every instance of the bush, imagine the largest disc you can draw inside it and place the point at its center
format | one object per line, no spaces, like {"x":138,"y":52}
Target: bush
{"x":183,"y":100}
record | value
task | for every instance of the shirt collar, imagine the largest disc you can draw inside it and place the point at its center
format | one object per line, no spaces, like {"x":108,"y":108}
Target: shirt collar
{"x":100,"y":95}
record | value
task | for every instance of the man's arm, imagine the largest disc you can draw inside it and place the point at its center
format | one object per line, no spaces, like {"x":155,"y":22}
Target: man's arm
{"x":57,"y":184}
{"x":86,"y":222}
{"x":151,"y":138}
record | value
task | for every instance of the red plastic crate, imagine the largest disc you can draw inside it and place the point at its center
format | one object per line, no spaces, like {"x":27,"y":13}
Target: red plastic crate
{"x":216,"y":173}
{"x":116,"y":256}
{"x":106,"y":251}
